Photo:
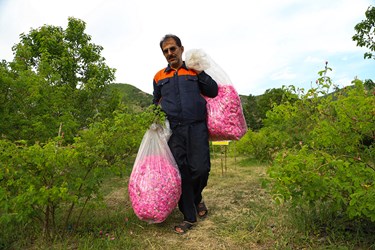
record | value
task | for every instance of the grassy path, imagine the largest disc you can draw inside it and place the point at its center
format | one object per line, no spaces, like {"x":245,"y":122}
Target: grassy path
{"x":242,"y":215}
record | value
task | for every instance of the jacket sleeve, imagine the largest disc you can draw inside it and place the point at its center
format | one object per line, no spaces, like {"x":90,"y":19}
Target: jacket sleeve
{"x":207,"y":85}
{"x":156,"y":94}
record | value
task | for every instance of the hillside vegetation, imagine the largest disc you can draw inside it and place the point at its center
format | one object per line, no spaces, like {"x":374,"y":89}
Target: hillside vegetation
{"x":132,"y":96}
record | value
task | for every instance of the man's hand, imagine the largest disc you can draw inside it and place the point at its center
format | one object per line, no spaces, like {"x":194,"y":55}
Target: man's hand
{"x":157,"y":113}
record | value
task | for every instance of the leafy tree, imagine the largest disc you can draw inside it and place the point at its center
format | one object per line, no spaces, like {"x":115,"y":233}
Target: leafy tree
{"x":6,"y":81}
{"x":369,"y":84}
{"x":251,"y":113}
{"x":365,"y":36}
{"x":57,"y":78}
{"x":256,"y":108}
{"x":270,"y":98}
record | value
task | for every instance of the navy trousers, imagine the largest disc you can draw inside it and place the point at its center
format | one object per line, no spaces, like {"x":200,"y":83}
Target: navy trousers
{"x":190,"y":147}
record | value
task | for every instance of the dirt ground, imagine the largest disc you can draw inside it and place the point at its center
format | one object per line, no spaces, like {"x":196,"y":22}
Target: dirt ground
{"x":236,"y":219}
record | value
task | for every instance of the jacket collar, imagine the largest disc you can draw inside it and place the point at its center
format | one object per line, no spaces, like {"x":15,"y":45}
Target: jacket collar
{"x":168,"y":68}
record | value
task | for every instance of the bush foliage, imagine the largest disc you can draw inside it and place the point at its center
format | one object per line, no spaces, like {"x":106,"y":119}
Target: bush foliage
{"x":45,"y":183}
{"x":321,"y":148}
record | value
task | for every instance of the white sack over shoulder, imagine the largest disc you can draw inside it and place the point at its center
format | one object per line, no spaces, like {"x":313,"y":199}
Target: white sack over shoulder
{"x":225,"y":118}
{"x":197,"y":59}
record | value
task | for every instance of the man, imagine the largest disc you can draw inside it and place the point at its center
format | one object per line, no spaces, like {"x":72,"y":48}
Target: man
{"x":179,"y":91}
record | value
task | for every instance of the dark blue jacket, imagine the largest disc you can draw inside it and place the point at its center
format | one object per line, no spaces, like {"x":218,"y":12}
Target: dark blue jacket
{"x":180,"y":93}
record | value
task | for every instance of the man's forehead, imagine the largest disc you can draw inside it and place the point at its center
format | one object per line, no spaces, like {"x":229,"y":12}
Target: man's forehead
{"x":169,"y":42}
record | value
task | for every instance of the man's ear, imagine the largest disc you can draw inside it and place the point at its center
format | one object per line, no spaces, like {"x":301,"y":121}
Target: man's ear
{"x":182,"y":49}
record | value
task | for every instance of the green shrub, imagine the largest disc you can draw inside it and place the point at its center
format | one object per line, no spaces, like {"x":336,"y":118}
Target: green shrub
{"x":47,"y":186}
{"x":334,"y":161}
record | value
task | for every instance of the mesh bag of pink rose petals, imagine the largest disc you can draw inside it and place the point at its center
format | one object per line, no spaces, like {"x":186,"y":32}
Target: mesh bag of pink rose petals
{"x":155,"y":182}
{"x":225,"y":117}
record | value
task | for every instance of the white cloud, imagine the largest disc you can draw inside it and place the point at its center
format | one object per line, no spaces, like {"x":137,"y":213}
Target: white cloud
{"x":260,"y":45}
{"x":284,"y":74}
{"x":313,"y":59}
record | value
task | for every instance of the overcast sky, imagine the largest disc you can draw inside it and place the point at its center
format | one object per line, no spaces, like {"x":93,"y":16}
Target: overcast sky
{"x":259,"y":44}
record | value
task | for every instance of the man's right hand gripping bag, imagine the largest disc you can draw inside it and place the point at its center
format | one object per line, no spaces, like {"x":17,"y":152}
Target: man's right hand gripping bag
{"x":225,"y":117}
{"x":155,"y":182}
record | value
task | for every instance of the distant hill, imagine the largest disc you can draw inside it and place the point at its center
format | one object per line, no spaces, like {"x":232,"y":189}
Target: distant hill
{"x":243,"y":99}
{"x":131,"y":95}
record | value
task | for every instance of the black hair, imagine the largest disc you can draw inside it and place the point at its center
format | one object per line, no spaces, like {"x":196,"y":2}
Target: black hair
{"x":168,"y":36}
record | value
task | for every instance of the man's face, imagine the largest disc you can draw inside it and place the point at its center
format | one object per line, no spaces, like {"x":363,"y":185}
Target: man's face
{"x":173,"y":53}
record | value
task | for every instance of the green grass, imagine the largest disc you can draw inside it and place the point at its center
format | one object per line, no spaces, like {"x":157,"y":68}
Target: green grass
{"x":242,"y":215}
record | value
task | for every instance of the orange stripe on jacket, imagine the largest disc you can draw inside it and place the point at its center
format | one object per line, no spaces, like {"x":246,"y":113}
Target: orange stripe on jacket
{"x":162,"y":74}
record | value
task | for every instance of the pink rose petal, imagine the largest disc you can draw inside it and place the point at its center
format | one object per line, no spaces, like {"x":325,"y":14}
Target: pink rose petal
{"x":225,"y":119}
{"x":154,"y":188}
